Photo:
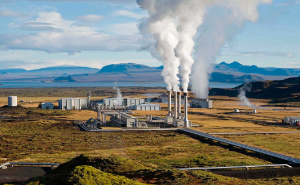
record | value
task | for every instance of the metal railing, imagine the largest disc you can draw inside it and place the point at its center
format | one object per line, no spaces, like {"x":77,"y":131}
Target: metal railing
{"x":236,"y":167}
{"x":28,"y":164}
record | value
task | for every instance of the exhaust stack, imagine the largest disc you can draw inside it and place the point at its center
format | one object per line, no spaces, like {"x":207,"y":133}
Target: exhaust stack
{"x":186,"y":121}
{"x":169,"y":104}
{"x":179,"y":104}
{"x":175,"y":105}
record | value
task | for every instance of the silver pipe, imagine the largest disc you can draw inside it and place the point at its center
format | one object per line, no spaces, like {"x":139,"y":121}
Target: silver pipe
{"x":175,"y":105}
{"x":169,"y":104}
{"x":179,"y":104}
{"x":186,"y":121}
{"x":29,"y":164}
{"x":233,"y":167}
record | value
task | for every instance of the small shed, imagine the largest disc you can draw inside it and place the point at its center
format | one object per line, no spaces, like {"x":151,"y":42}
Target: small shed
{"x":47,"y":106}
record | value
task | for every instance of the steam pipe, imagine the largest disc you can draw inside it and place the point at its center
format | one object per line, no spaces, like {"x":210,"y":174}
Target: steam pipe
{"x":179,"y":103}
{"x":169,"y":103}
{"x":186,"y":121}
{"x":175,"y":105}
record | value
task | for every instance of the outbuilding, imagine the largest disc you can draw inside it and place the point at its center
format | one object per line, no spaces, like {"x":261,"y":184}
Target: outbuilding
{"x":47,"y":106}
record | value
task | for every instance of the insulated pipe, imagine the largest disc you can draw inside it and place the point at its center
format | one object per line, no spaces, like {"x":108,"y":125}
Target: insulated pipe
{"x":179,"y":104}
{"x":186,"y":121}
{"x":175,"y":105}
{"x":169,"y":104}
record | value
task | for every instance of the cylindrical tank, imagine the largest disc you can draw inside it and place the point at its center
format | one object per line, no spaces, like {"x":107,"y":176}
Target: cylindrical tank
{"x":236,"y":110}
{"x":12,"y":101}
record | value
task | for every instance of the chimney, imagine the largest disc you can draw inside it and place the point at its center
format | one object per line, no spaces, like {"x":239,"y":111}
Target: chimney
{"x":175,"y":105}
{"x":186,"y":121}
{"x":169,"y":104}
{"x":179,"y":104}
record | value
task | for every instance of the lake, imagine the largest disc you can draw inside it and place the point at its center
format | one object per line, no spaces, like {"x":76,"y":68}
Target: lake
{"x":99,"y":84}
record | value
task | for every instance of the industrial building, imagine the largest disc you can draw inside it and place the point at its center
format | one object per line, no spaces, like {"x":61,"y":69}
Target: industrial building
{"x":110,"y":103}
{"x":176,"y":117}
{"x":145,"y":107}
{"x":72,"y":103}
{"x":12,"y":101}
{"x":202,"y":103}
{"x":47,"y":105}
{"x":291,"y":120}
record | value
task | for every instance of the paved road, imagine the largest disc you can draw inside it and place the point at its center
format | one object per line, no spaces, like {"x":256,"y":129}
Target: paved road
{"x":12,"y":174}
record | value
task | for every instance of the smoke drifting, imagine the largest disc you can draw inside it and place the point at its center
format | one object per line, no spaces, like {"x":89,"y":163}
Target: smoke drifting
{"x":242,"y":95}
{"x":119,"y":95}
{"x":172,"y":25}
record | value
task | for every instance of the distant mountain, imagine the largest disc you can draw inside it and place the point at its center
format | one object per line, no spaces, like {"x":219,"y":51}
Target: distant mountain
{"x":130,"y":72}
{"x":237,"y":67}
{"x":65,"y":69}
{"x":44,"y":74}
{"x":277,"y":90}
{"x":125,"y":68}
{"x":15,"y":70}
{"x":64,"y":79}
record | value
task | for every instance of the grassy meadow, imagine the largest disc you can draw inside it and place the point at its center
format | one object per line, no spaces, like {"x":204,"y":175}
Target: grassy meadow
{"x":29,"y":134}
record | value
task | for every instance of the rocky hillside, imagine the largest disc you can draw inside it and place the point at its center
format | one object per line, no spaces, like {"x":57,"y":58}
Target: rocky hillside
{"x":287,"y":90}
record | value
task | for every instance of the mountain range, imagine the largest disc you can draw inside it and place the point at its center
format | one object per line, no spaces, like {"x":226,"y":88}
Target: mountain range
{"x":130,"y":72}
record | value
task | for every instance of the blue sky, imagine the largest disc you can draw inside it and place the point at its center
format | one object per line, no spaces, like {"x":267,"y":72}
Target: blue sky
{"x":94,"y":33}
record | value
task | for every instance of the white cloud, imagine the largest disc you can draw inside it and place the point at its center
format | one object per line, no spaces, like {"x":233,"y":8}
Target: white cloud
{"x":129,"y":14}
{"x":50,"y":63}
{"x":130,"y":28}
{"x":90,"y":18}
{"x":62,"y":35}
{"x":267,"y":54}
{"x":13,"y":14}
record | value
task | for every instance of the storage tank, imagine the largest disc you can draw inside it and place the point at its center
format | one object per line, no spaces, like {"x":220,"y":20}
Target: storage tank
{"x":12,"y":101}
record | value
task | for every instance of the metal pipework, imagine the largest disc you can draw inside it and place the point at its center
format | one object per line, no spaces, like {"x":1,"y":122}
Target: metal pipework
{"x":186,"y":121}
{"x":179,"y":104}
{"x":175,"y":105}
{"x":169,"y":104}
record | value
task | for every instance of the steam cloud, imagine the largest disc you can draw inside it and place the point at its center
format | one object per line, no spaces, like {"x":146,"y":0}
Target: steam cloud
{"x":242,"y":95}
{"x":119,"y":95}
{"x":172,"y":25}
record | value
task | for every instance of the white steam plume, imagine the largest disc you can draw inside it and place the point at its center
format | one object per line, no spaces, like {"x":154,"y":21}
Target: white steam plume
{"x":119,"y":95}
{"x":222,"y":20}
{"x":242,"y":95}
{"x":164,"y":37}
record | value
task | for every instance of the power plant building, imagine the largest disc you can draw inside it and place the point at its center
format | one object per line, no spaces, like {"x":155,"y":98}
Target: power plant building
{"x":72,"y":103}
{"x":291,"y":120}
{"x":202,"y":103}
{"x":145,"y":107}
{"x":127,"y":102}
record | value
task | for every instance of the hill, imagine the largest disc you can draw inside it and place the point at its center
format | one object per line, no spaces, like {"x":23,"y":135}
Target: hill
{"x":131,"y":72}
{"x":287,"y":90}
{"x":126,"y":67}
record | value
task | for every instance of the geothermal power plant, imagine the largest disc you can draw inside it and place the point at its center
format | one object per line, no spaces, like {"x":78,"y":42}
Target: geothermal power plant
{"x":119,"y":111}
